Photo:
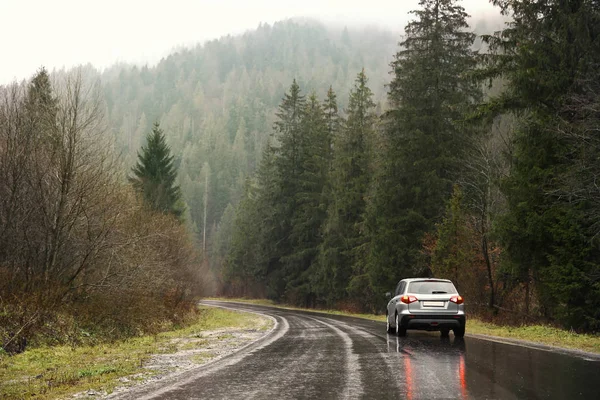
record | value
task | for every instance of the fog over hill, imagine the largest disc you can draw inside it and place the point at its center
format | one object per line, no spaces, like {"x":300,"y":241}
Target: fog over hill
{"x":114,"y":31}
{"x":216,"y":101}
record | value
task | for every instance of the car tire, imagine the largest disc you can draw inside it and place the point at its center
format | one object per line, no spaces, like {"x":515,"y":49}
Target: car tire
{"x":388,"y":327}
{"x":400,"y":330}
{"x":459,"y":332}
{"x":445,"y":332}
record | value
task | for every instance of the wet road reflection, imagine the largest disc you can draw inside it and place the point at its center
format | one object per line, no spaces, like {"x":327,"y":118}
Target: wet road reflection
{"x":497,"y":370}
{"x":491,"y":370}
{"x":329,"y":357}
{"x":446,"y":380}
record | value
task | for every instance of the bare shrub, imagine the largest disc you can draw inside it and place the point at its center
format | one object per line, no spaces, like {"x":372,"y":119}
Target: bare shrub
{"x":74,"y":238}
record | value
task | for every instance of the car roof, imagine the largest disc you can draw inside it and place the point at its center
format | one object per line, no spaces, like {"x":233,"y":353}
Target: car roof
{"x":425,"y":280}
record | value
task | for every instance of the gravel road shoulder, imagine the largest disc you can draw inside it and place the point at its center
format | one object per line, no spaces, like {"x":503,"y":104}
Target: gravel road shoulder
{"x":187,"y":353}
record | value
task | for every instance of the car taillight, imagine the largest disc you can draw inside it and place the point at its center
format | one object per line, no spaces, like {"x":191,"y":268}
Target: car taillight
{"x":408,"y":299}
{"x":457,"y":299}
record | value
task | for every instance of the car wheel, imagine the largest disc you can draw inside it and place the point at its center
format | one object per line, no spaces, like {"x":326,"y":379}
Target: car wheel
{"x":445,"y":332}
{"x":459,"y":332}
{"x":388,"y":327}
{"x":400,"y":330}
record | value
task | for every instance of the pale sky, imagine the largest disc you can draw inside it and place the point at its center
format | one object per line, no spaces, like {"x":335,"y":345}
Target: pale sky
{"x":66,"y":33}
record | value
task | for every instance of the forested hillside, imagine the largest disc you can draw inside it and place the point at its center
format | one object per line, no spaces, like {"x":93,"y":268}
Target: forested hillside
{"x":216,"y":103}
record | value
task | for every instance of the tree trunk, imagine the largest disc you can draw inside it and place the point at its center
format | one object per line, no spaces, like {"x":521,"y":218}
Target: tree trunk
{"x":205,"y":210}
{"x":488,"y":264}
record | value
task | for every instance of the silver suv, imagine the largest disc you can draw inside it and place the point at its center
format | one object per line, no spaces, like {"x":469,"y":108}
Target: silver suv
{"x":426,"y":304}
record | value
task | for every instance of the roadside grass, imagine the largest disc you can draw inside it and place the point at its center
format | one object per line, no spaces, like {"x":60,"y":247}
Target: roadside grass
{"x":61,"y":371}
{"x":543,"y":334}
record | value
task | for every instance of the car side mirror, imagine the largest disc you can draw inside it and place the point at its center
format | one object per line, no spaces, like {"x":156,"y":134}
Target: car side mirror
{"x":388,"y":295}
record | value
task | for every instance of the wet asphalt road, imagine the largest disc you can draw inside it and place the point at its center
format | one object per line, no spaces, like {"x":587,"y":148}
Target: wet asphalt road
{"x":316,"y":356}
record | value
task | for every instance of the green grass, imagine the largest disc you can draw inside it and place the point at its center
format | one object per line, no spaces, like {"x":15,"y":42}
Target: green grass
{"x":60,"y":371}
{"x":546,"y":335}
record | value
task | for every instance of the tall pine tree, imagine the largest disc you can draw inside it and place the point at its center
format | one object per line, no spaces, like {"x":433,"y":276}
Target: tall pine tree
{"x":154,"y":175}
{"x":41,"y":105}
{"x":311,"y":203}
{"x":423,"y":139}
{"x":287,"y":163}
{"x":321,"y":275}
{"x":339,"y":257}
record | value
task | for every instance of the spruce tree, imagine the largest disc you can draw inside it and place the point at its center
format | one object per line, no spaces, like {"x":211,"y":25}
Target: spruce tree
{"x":41,"y":112}
{"x":272,"y":227}
{"x":423,"y":139}
{"x":321,"y":275}
{"x":41,"y":105}
{"x":342,"y":239}
{"x":284,"y":161}
{"x":332,"y":120}
{"x":454,"y":252}
{"x":311,"y":203}
{"x":154,"y":175}
{"x":244,"y":266}
{"x":253,"y":261}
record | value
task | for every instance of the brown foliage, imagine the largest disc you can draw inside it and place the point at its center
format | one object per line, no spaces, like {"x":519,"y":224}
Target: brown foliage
{"x":76,"y":243}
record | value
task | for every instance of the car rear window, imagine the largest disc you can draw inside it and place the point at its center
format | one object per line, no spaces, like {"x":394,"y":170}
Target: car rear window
{"x":431,"y":287}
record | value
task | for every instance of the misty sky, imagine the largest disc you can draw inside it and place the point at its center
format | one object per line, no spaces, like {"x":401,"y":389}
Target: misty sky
{"x":57,"y":33}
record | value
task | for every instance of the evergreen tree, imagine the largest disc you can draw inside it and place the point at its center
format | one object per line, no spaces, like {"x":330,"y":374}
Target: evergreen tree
{"x":311,"y":203}
{"x":154,"y":175}
{"x":332,"y":120}
{"x":423,"y":139}
{"x":549,"y":54}
{"x":288,"y":131}
{"x":253,"y":261}
{"x":321,"y":276}
{"x":221,"y":243}
{"x":244,"y":265}
{"x":282,"y":198}
{"x":349,"y":183}
{"x":454,"y":252}
{"x":41,"y":105}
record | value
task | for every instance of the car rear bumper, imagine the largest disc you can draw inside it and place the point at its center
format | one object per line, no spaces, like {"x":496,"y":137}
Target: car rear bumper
{"x":433,"y":322}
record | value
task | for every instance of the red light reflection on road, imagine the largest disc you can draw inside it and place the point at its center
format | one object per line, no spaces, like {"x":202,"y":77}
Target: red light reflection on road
{"x":409,"y":377}
{"x":461,"y":376}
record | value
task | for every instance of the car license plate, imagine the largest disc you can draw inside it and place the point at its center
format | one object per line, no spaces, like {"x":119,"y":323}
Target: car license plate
{"x":433,"y":304}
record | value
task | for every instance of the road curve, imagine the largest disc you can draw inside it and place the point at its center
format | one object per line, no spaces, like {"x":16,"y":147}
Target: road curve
{"x":318,"y":356}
